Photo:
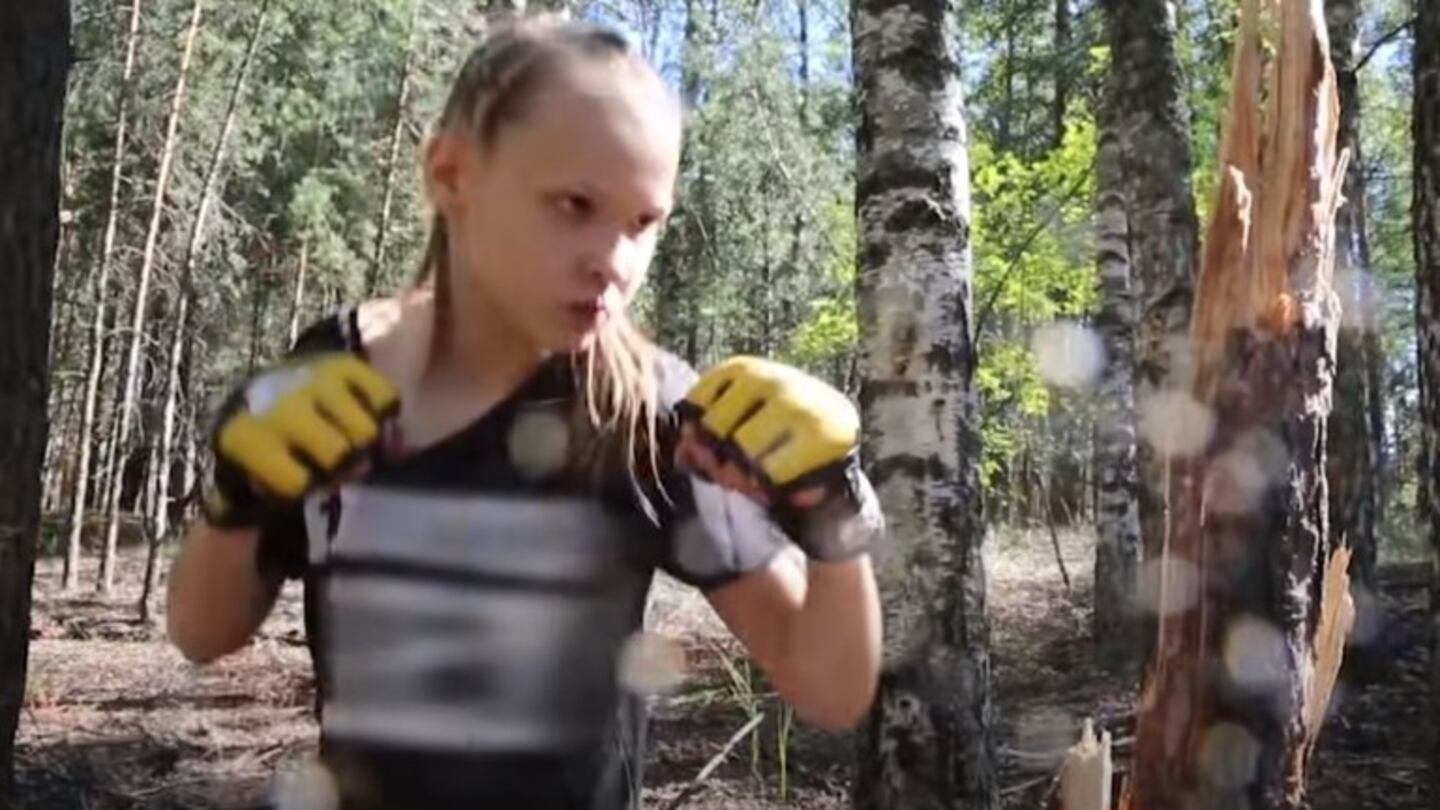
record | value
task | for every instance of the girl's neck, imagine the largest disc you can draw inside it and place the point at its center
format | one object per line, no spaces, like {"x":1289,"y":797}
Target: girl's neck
{"x":476,"y":347}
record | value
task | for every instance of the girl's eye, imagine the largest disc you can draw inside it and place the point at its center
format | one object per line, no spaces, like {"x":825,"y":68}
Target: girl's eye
{"x":644,"y":222}
{"x":577,"y":206}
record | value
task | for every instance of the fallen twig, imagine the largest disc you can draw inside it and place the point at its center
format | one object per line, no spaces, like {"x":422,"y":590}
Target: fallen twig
{"x":694,"y":786}
{"x":1026,"y":785}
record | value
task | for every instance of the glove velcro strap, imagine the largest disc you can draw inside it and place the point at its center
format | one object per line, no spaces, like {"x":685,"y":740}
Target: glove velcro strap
{"x":841,"y":527}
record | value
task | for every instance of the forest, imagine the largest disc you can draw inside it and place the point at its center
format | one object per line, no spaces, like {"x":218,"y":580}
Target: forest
{"x":1064,"y":221}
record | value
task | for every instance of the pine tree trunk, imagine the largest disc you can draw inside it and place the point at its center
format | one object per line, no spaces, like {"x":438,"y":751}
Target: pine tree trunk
{"x":142,"y":295}
{"x":109,"y":474}
{"x":1426,"y":210}
{"x":181,"y":331}
{"x":683,"y":250}
{"x":1063,"y":66}
{"x":1254,"y":606}
{"x":191,"y":469}
{"x":35,"y":60}
{"x":101,"y":273}
{"x":402,"y":97}
{"x":1154,"y":133}
{"x":928,"y":743}
{"x":57,"y":464}
{"x":1353,"y":465}
{"x":297,"y":300}
{"x":1117,"y":511}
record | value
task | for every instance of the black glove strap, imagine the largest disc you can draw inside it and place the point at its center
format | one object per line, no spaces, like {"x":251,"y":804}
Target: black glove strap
{"x":839,"y":528}
{"x":230,"y":501}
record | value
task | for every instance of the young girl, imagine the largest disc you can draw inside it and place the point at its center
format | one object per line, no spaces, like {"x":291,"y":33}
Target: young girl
{"x":477,"y":478}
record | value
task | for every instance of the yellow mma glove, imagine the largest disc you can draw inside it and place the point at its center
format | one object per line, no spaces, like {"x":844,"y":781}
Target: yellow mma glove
{"x":292,"y":429}
{"x":792,"y":432}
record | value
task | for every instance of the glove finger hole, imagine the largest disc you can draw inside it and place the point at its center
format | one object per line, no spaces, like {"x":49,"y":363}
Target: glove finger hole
{"x":380,"y":411}
{"x":774,"y":446}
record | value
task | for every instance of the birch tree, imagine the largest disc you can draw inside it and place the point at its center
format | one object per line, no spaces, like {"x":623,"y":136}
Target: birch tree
{"x":928,"y":743}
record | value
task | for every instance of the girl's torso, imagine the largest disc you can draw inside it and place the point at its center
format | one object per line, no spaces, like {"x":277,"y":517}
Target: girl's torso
{"x":466,"y":601}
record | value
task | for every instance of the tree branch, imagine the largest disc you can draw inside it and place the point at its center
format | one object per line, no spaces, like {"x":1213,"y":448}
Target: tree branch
{"x":1013,"y":257}
{"x":1382,"y":41}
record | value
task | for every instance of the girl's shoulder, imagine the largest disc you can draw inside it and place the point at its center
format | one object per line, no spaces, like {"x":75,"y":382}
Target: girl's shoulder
{"x":382,"y":330}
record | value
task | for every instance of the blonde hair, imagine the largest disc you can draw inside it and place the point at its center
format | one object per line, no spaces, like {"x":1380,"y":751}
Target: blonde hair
{"x":616,"y":410}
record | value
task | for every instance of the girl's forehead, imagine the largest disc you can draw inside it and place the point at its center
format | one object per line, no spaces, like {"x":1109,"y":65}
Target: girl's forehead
{"x":597,"y":114}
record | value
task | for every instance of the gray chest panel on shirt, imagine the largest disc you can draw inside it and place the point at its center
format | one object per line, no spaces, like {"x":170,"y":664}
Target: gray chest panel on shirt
{"x":472,"y":623}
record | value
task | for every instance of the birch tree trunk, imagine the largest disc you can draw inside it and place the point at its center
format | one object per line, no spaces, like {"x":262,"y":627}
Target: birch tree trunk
{"x":1253,"y":601}
{"x":101,"y":273}
{"x":1117,"y":514}
{"x":1426,"y":210}
{"x":1152,"y":123}
{"x":35,"y":60}
{"x":142,"y":295}
{"x":928,"y":743}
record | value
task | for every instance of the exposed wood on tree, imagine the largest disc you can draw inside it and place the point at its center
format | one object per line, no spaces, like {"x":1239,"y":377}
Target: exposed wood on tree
{"x":129,"y":398}
{"x":928,"y":743}
{"x":1254,"y":599}
{"x":35,"y":60}
{"x":1087,"y":773}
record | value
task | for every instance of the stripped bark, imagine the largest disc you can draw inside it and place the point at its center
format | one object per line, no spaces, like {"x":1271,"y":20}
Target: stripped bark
{"x":928,"y":743}
{"x":1254,"y":602}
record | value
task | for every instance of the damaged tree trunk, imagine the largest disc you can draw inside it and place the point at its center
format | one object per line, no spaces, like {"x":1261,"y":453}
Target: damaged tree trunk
{"x":1253,"y":593}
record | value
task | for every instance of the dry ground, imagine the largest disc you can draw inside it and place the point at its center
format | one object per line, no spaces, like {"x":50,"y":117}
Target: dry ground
{"x":115,"y":719}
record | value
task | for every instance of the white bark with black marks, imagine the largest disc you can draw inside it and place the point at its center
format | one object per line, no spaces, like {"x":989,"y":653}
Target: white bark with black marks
{"x":928,"y":743}
{"x":1153,"y":127}
{"x":1117,"y":511}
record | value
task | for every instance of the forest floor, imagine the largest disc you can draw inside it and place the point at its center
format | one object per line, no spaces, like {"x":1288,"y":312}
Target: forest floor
{"x":114,"y":718}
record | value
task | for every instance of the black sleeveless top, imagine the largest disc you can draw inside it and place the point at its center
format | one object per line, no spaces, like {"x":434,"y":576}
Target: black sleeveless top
{"x":465,"y":604}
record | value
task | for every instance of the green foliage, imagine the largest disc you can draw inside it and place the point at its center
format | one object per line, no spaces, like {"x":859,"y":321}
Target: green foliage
{"x":1204,"y":45}
{"x":1033,"y":264}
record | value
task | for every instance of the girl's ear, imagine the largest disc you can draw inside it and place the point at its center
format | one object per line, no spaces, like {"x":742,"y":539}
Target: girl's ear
{"x":444,"y":154}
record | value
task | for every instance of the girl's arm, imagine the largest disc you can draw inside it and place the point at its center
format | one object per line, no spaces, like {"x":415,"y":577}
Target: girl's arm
{"x":815,"y":629}
{"x":217,"y":597}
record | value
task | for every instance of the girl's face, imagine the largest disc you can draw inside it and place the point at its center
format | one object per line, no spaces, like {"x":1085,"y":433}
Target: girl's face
{"x":552,"y":227}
